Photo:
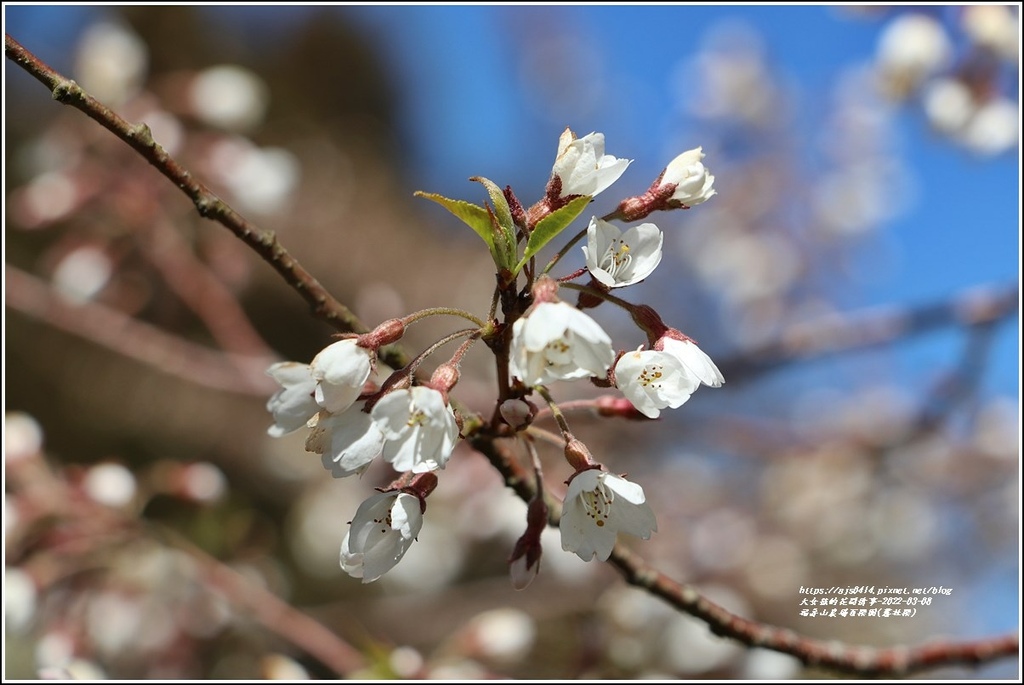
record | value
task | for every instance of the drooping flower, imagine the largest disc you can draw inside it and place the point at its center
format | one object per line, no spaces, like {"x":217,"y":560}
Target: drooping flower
{"x":653,"y":380}
{"x":293,"y":405}
{"x":618,"y":259}
{"x":583,"y":167}
{"x":419,"y":428}
{"x":348,"y":441}
{"x":693,"y":183}
{"x":597,"y":506}
{"x":383,"y":529}
{"x":694,"y":360}
{"x":555,"y":341}
{"x":340,"y":370}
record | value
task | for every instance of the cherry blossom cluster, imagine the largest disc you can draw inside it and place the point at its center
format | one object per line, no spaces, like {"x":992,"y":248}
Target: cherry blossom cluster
{"x":537,"y":339}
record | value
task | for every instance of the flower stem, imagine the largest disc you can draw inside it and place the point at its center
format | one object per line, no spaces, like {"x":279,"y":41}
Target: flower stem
{"x":563,"y":425}
{"x":443,"y":311}
{"x":561,"y":253}
{"x":414,"y":364}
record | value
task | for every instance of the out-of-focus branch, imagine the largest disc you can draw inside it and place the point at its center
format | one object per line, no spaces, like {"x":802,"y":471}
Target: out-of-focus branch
{"x":137,"y":340}
{"x":202,"y":291}
{"x":867,"y":661}
{"x":54,"y":500}
{"x":278,"y":616}
{"x":870,"y":328}
{"x":140,"y":138}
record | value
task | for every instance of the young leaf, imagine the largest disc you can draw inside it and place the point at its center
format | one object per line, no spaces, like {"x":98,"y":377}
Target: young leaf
{"x":550,"y":226}
{"x":474,"y":216}
{"x":505,"y":241}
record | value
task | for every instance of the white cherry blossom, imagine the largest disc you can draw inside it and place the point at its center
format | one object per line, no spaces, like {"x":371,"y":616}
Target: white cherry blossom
{"x":692,"y":179}
{"x":340,"y":371}
{"x":293,"y":405}
{"x":696,"y":362}
{"x":555,"y":341}
{"x":653,"y":380}
{"x":597,"y":506}
{"x":348,"y":442}
{"x":419,"y":428}
{"x":582,"y":165}
{"x":618,"y":259}
{"x":383,"y":529}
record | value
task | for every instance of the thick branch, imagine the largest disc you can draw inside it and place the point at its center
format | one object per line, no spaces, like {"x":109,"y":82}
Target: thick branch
{"x":893,"y":661}
{"x":867,"y":661}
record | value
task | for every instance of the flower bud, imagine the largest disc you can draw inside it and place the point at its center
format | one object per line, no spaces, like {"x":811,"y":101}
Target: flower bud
{"x":517,"y":413}
{"x":390,"y":331}
{"x":578,"y":455}
{"x":691,"y":180}
{"x":524,"y":564}
{"x":445,"y":377}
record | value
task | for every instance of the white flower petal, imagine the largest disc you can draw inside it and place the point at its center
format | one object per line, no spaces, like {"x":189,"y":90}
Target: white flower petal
{"x":384,"y":527}
{"x":618,"y":259}
{"x":695,"y":361}
{"x":348,"y":441}
{"x":653,"y":380}
{"x":692,"y":180}
{"x":340,"y":370}
{"x":597,"y":506}
{"x":556,"y":341}
{"x":293,"y":405}
{"x":582,"y":165}
{"x":420,"y":429}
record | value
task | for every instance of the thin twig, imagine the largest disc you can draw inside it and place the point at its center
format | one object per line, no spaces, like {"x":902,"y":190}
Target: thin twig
{"x":205,"y":294}
{"x":871,"y":328}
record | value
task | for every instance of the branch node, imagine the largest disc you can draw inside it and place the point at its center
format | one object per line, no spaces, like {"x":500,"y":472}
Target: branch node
{"x":142,"y":133}
{"x":66,"y":91}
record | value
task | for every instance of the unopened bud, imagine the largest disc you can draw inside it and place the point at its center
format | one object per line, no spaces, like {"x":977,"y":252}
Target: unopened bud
{"x":390,"y":331}
{"x":517,"y":413}
{"x":545,"y":290}
{"x":577,"y":454}
{"x":649,"y":320}
{"x":524,"y":564}
{"x":444,"y":378}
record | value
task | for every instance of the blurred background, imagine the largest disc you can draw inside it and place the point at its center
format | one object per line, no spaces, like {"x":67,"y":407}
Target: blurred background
{"x":856,"y":279}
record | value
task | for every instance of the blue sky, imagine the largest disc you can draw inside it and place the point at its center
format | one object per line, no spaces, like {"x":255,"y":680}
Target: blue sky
{"x":466,"y":113}
{"x":960,"y":229}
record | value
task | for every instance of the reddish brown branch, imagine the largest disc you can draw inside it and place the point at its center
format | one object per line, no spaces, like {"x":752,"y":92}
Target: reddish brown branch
{"x":867,"y":661}
{"x":140,"y":138}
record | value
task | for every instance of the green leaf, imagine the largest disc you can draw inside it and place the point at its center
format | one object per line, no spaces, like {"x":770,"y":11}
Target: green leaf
{"x":474,"y":216}
{"x":550,"y":226}
{"x":505,"y":240}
